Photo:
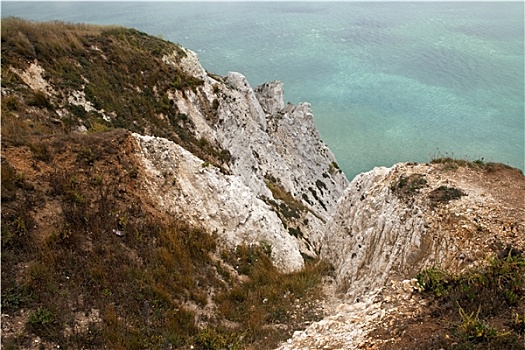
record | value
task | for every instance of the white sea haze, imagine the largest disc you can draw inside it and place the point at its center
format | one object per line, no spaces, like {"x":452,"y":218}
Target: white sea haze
{"x":388,"y":81}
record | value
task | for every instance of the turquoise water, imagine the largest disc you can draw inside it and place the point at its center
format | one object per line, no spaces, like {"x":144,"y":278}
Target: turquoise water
{"x":388,"y":82}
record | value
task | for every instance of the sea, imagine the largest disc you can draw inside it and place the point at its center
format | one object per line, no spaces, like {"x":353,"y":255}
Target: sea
{"x":388,"y":81}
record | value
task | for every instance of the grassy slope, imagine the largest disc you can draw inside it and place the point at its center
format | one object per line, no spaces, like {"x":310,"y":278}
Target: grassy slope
{"x":66,"y":274}
{"x":120,"y":71}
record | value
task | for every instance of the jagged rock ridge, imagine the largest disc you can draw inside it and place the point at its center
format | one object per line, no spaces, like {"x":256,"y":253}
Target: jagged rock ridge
{"x":270,"y":145}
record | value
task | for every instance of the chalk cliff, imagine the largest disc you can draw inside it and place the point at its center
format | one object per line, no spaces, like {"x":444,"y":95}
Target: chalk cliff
{"x":138,"y":184}
{"x":391,"y":223}
{"x":185,"y":186}
{"x":397,"y":221}
{"x":276,"y":153}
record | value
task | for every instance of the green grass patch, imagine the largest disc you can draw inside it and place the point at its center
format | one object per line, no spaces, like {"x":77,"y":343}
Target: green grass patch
{"x":286,"y":206}
{"x":268,"y":297}
{"x":406,"y":186}
{"x":480,"y":308}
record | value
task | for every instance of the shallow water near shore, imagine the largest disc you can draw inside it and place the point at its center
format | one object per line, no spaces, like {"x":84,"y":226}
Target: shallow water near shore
{"x":388,"y":82}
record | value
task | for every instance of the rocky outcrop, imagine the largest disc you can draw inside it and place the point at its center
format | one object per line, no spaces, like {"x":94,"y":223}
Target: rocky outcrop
{"x":393,"y":222}
{"x":185,"y":186}
{"x":271,"y":96}
{"x":290,"y":150}
{"x":272,"y":145}
{"x":374,"y":233}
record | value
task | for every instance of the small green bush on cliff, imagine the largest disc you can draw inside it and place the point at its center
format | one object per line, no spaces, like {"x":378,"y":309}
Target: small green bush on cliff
{"x":444,"y":194}
{"x":408,"y":185}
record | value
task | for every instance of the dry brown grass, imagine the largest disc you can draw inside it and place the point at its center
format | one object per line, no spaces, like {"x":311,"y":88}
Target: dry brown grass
{"x":451,"y":163}
{"x":65,"y":196}
{"x":269,"y":298}
{"x":119,"y":70}
{"x":62,"y":197}
{"x":42,"y":41}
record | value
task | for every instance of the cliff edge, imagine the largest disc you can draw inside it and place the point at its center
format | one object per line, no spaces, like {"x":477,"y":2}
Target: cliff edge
{"x":148,"y":203}
{"x":449,"y":227}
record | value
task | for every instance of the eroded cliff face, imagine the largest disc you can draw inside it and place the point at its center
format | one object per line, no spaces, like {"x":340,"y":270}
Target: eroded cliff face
{"x":185,"y":186}
{"x":276,"y":153}
{"x":393,"y":222}
{"x":374,"y":233}
{"x":265,"y":137}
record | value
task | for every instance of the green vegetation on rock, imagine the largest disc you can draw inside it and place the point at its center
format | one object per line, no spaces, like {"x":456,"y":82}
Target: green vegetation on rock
{"x":98,"y":78}
{"x":479,"y":309}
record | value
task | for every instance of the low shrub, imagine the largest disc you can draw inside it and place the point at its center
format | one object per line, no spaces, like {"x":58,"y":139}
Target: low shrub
{"x":479,"y":305}
{"x":434,"y":280}
{"x":217,"y":339}
{"x":444,"y":194}
{"x":408,"y":185}
{"x":287,"y":206}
